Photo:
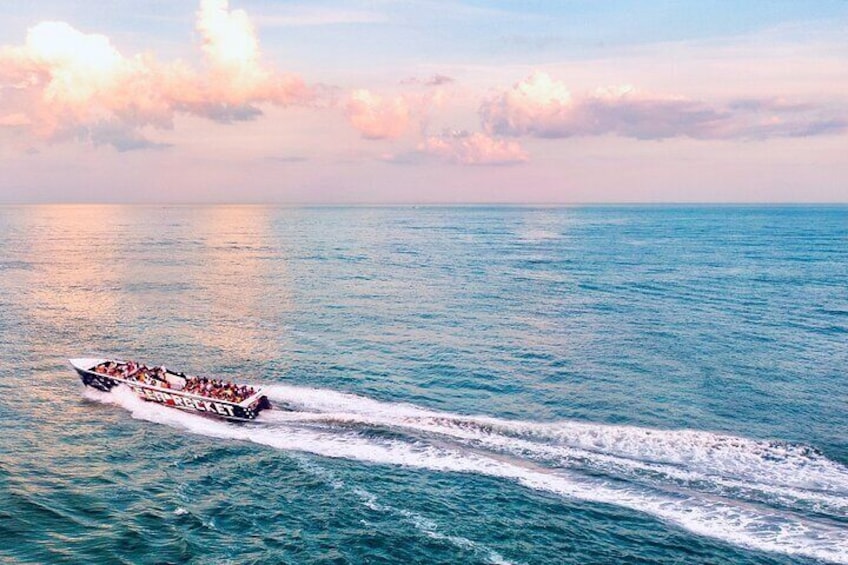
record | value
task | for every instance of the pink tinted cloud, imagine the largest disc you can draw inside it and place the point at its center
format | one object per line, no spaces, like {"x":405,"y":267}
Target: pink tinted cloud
{"x":377,"y":117}
{"x":465,"y":148}
{"x":14,"y":120}
{"x":543,"y":107}
{"x":235,"y":73}
{"x":63,"y":83}
{"x":434,"y":80}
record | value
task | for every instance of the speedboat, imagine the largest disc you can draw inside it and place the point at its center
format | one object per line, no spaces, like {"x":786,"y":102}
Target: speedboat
{"x":201,"y":395}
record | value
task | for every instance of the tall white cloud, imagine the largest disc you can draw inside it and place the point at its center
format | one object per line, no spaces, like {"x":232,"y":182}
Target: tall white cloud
{"x":64,"y":83}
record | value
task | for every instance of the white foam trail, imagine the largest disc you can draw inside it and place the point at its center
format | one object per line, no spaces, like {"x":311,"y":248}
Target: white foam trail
{"x":769,"y":463}
{"x":337,"y":426}
{"x":706,"y":476}
{"x":792,"y":480}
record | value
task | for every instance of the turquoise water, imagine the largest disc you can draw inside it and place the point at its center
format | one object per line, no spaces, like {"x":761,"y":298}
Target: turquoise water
{"x":472,"y":385}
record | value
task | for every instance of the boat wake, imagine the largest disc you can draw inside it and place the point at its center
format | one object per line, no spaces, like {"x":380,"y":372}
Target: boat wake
{"x":769,"y":496}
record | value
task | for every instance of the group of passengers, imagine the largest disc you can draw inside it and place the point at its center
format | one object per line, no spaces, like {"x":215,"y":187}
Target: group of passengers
{"x":156,"y":376}
{"x":135,"y":372}
{"x":216,"y":388}
{"x":112,"y":369}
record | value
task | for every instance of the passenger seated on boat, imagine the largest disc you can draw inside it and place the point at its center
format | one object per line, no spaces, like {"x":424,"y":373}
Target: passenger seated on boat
{"x":192,"y":384}
{"x":113,"y":369}
{"x":217,"y":388}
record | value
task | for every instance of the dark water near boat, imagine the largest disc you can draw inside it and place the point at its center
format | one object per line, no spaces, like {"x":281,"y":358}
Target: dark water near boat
{"x":474,"y":385}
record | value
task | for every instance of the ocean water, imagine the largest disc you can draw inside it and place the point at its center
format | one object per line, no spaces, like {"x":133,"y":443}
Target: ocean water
{"x":470,"y":385}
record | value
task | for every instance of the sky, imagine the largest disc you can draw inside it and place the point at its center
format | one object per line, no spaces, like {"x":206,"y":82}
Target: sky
{"x":424,"y":101}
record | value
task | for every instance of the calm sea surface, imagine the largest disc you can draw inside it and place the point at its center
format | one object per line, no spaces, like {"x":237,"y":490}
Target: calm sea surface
{"x":471,"y":385}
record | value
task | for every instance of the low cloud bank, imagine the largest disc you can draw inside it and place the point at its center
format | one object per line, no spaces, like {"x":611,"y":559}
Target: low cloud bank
{"x":540,"y":106}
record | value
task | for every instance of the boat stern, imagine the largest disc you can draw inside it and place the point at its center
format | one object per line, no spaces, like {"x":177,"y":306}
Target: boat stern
{"x":254,"y":404}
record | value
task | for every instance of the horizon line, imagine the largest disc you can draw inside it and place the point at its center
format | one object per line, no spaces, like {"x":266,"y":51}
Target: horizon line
{"x":431,"y":204}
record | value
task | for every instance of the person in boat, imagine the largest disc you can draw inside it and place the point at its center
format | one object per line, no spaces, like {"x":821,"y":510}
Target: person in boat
{"x":157,"y":376}
{"x":216,"y":388}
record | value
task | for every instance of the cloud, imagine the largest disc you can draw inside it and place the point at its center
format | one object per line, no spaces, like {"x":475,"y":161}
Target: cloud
{"x":435,"y":80}
{"x":66,"y":84}
{"x":535,"y":106}
{"x":438,"y":80}
{"x":232,"y":50}
{"x":542,"y":107}
{"x":119,"y":136}
{"x":377,"y":117}
{"x":464,"y":148}
{"x":14,"y":120}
